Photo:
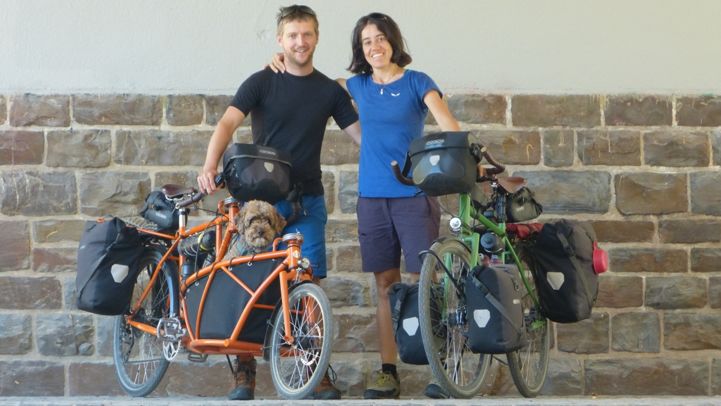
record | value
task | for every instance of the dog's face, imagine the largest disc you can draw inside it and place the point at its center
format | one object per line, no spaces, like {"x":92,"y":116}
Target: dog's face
{"x":258,"y":224}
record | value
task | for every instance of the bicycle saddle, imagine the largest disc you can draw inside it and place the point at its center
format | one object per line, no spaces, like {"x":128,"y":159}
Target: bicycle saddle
{"x":512,"y":184}
{"x":172,"y":191}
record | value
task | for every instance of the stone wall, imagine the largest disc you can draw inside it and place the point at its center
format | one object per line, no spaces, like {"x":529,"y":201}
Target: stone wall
{"x":643,"y":169}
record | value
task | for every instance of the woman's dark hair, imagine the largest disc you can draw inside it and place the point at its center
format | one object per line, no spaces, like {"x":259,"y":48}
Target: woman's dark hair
{"x":390,"y":29}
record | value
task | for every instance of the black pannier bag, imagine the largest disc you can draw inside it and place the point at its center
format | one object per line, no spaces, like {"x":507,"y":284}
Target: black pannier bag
{"x":442,"y":163}
{"x":495,"y":315}
{"x":406,"y":323}
{"x":107,"y":266}
{"x":564,"y":258}
{"x":161,"y":211}
{"x":522,"y":206}
{"x":256,"y":172}
{"x":226,"y":300}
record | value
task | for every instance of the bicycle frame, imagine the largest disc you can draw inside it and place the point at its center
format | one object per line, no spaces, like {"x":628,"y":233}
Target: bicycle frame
{"x":290,"y":269}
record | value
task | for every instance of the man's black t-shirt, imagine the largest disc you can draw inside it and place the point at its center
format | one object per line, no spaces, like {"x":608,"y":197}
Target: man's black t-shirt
{"x":290,"y":113}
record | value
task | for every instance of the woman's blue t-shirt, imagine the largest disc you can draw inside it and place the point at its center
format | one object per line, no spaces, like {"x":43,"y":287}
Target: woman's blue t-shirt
{"x":391,"y":116}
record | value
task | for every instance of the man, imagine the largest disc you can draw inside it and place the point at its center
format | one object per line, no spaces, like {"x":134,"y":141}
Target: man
{"x":289,"y":113}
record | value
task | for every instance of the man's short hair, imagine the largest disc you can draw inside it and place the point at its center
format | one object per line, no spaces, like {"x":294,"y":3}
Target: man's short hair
{"x":293,"y":13}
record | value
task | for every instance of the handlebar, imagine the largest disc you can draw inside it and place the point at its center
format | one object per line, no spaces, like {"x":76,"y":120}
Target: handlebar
{"x":401,"y":178}
{"x":196,"y":197}
{"x":480,"y":151}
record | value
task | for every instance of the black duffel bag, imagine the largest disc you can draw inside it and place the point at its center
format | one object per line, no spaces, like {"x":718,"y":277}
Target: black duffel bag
{"x":226,"y":300}
{"x":566,"y":260}
{"x":442,"y":163}
{"x":107,"y":266}
{"x":161,"y":211}
{"x":522,"y":206}
{"x":256,"y":172}
{"x":406,"y":323}
{"x":495,"y":315}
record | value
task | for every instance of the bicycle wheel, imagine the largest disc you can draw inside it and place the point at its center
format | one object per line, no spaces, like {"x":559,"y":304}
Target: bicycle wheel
{"x":443,"y":320}
{"x":138,"y":356}
{"x":297,"y":367}
{"x":529,"y":364}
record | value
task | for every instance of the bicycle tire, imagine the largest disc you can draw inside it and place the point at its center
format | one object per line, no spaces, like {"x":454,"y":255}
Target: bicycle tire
{"x":529,"y":365}
{"x":138,"y":356}
{"x":297,"y":368}
{"x":454,"y":366}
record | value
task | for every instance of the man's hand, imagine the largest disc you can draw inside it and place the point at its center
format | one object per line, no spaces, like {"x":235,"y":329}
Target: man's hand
{"x":206,"y":181}
{"x":277,"y":65}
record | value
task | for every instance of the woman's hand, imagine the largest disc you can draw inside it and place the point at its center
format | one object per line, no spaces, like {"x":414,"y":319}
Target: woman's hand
{"x":206,"y":181}
{"x":276,"y":64}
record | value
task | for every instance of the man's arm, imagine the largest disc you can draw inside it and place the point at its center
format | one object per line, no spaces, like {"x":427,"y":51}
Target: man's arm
{"x":223,"y":134}
{"x":354,"y":130}
{"x":440,"y":111}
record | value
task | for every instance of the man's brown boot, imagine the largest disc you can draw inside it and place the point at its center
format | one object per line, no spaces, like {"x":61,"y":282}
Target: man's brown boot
{"x":244,"y":373}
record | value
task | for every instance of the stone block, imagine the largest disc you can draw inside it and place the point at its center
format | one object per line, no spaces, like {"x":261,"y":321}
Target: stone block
{"x":338,"y":149}
{"x":32,"y":378}
{"x":664,"y":260}
{"x":70,"y":297}
{"x":348,"y":191}
{"x":3,"y":110}
{"x":34,"y":193}
{"x":569,"y":192}
{"x":328,"y":179}
{"x":79,"y":148}
{"x":478,"y":108}
{"x":355,"y":332}
{"x":165,"y":148}
{"x":688,"y":231}
{"x":40,"y":110}
{"x":345,"y":290}
{"x":619,"y":291}
{"x":565,"y":378}
{"x":716,"y":376}
{"x":21,"y":147}
{"x":558,"y":147}
{"x":93,"y":379}
{"x":588,"y":336}
{"x":676,"y":148}
{"x":631,"y":110}
{"x":699,"y":111}
{"x":716,"y":146}
{"x":104,"y":326}
{"x":15,"y":243}
{"x":675,"y":292}
{"x":341,"y":231}
{"x":646,"y":376}
{"x":556,"y":110}
{"x":65,"y":334}
{"x":16,"y":334}
{"x":116,"y":193}
{"x":511,"y":147}
{"x":714,"y":292}
{"x":705,"y":193}
{"x":692,"y":331}
{"x":208,"y":379}
{"x":117,"y":109}
{"x":349,"y":258}
{"x":651,"y":193}
{"x":609,"y":147}
{"x":619,"y":231}
{"x":54,"y":259}
{"x":215,"y":107}
{"x":44,"y":231}
{"x":30,"y":293}
{"x":636,"y":332}
{"x":184,"y":110}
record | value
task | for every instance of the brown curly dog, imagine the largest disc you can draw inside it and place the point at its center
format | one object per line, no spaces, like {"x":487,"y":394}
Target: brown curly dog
{"x":258,"y":223}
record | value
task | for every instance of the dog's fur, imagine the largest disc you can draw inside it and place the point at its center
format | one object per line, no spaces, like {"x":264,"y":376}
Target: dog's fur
{"x":258,"y":223}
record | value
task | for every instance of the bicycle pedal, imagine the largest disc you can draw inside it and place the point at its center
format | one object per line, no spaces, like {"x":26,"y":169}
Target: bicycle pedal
{"x":170,"y":329}
{"x":195,"y":357}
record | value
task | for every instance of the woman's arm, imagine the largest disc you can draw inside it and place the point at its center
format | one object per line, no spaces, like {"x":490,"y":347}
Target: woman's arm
{"x":440,"y":111}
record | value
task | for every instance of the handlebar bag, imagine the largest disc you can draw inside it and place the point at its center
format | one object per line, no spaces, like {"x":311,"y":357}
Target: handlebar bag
{"x":256,"y":172}
{"x":107,"y":266}
{"x":442,"y":163}
{"x":161,"y":211}
{"x":562,"y":258}
{"x":406,"y":326}
{"x":226,"y":299}
{"x":522,"y":206}
{"x":495,"y":316}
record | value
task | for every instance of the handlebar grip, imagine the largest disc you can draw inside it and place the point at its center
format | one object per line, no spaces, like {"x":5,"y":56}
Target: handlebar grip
{"x":397,"y":172}
{"x":497,"y":166}
{"x":196,"y":197}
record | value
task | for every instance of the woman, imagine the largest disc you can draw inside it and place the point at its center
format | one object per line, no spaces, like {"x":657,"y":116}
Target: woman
{"x":392,"y":103}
